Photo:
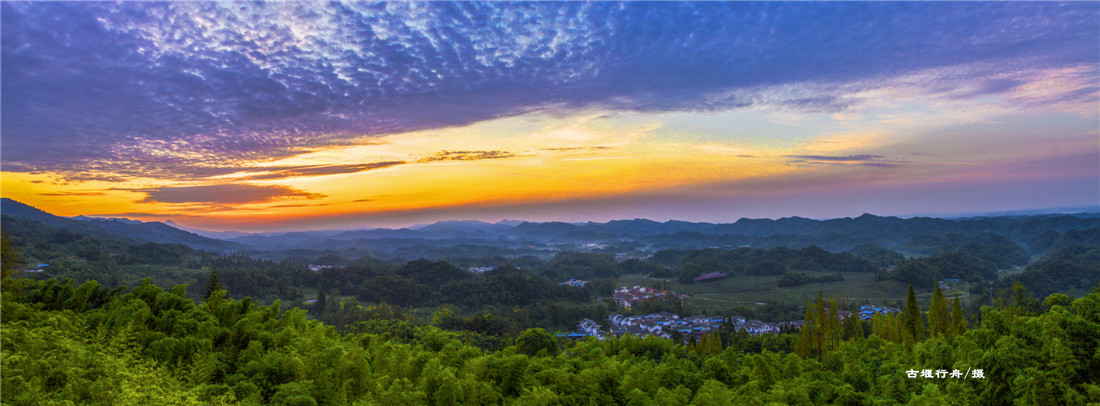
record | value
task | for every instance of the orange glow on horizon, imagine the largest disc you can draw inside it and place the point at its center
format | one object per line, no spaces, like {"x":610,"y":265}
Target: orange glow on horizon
{"x":542,"y":159}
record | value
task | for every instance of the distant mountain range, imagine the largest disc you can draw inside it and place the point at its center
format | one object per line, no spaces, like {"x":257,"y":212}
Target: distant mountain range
{"x":221,"y":235}
{"x":473,"y":238}
{"x":516,"y":238}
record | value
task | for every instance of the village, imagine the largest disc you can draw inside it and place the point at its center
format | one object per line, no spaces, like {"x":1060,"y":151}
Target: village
{"x":669,"y":325}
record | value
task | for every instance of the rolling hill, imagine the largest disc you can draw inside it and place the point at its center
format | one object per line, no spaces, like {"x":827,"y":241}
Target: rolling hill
{"x":119,"y":229}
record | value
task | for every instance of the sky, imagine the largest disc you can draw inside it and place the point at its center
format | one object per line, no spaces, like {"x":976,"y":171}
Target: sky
{"x":300,"y":115}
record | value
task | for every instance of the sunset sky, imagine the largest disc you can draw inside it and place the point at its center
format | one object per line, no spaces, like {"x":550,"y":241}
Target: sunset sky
{"x":294,"y":116}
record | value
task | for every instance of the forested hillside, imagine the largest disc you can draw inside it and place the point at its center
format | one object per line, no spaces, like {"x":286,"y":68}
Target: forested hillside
{"x":92,"y":345}
{"x":110,"y":319}
{"x":523,"y":291}
{"x":119,"y":229}
{"x":1073,"y":268}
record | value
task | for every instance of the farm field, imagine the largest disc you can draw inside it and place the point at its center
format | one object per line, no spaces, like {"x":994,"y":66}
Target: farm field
{"x":740,"y":291}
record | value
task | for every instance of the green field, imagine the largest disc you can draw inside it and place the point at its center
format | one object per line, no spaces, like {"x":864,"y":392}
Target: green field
{"x":740,"y":291}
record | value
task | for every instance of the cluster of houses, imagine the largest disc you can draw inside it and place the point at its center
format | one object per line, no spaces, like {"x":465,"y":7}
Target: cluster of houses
{"x":574,"y":282}
{"x":666,"y":324}
{"x":481,"y":269}
{"x":867,"y":311}
{"x":627,"y":297}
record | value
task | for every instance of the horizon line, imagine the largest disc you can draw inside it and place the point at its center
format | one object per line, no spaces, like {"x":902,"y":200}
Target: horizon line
{"x":1059,"y":210}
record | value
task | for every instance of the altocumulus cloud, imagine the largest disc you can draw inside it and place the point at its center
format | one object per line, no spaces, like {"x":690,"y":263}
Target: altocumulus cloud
{"x":223,"y":194}
{"x":877,"y":161}
{"x":171,"y":90}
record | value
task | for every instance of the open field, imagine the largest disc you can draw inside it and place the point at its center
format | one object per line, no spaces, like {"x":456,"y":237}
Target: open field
{"x":756,"y":290}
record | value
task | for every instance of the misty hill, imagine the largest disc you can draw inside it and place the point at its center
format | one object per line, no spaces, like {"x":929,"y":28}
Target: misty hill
{"x":883,"y":230}
{"x":378,"y":234}
{"x":285,"y":241}
{"x":543,"y":230}
{"x":1019,"y":236}
{"x":464,"y":229}
{"x":986,"y":237}
{"x":16,"y":209}
{"x":1071,"y":269}
{"x":217,"y":235}
{"x":898,"y":229}
{"x":161,"y":233}
{"x":117,"y":229}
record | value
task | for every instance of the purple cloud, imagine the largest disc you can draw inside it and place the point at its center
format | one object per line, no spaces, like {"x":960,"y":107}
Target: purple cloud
{"x":190,"y":90}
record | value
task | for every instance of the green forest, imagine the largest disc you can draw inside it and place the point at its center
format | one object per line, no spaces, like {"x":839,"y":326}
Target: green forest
{"x":66,"y":343}
{"x":114,"y":320}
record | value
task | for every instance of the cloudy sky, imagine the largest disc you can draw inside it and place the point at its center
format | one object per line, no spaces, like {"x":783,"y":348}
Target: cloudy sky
{"x":279,"y":116}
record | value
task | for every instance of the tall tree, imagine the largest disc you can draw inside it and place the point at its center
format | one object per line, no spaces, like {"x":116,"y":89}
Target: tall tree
{"x":1022,"y":303}
{"x":213,"y":283}
{"x":710,"y":345}
{"x":852,"y":326}
{"x":834,"y":332}
{"x":319,"y":307}
{"x":913,"y":325}
{"x":821,"y":325}
{"x":821,"y":331}
{"x":937,"y":313}
{"x":805,"y":344}
{"x":885,"y":325}
{"x":958,"y":321}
